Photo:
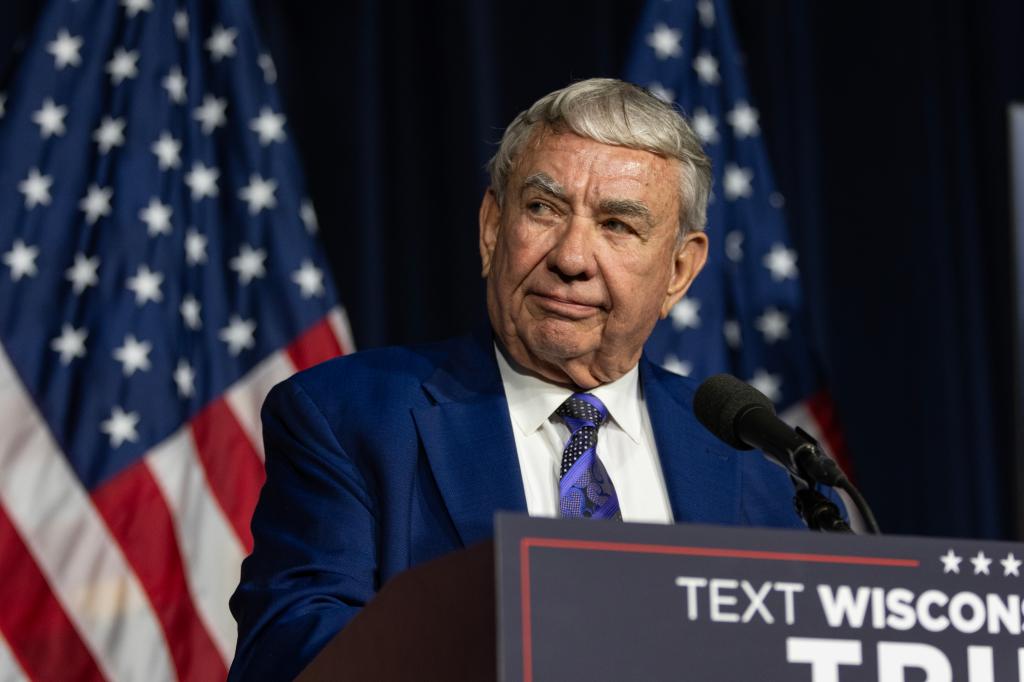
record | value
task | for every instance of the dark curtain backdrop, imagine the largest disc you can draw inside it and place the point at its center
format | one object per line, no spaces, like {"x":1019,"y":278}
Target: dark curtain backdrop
{"x":886,"y":126}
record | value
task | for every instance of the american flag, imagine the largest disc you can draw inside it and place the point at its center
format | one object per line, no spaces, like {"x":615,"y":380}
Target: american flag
{"x":159,"y":272}
{"x":744,"y":314}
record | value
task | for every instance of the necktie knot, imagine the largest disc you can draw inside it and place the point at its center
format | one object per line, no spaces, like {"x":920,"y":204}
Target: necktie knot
{"x":582,"y":409}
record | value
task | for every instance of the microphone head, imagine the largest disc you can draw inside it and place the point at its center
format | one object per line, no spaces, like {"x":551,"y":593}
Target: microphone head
{"x":721,"y":400}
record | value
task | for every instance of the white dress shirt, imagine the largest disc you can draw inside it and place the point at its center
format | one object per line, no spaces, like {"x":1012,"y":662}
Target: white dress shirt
{"x":625,"y":443}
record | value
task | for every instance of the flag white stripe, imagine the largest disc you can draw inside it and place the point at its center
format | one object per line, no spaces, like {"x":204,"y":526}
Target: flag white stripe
{"x":10,"y":671}
{"x":72,"y":545}
{"x":247,"y":395}
{"x":338,"y":321}
{"x":210,"y":551}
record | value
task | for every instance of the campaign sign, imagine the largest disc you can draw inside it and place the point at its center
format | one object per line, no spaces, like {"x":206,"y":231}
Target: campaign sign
{"x":595,"y":600}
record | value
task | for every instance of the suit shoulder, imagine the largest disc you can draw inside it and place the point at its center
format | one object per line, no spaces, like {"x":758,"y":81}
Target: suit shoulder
{"x":680,"y":387}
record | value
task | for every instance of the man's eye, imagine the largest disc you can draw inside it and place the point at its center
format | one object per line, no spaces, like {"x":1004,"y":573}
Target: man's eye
{"x":617,"y":226}
{"x":538,"y":208}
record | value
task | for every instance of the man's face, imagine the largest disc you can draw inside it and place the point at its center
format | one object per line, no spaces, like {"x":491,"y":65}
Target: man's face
{"x":582,"y":260}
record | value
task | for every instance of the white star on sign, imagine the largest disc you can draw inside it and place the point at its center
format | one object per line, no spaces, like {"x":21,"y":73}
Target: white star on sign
{"x":661,"y":92}
{"x":686,"y":313}
{"x":308,"y":216}
{"x":1011,"y":565}
{"x":202,"y":180}
{"x":190,"y":312}
{"x":211,"y":113}
{"x":195,"y":247}
{"x":781,"y":262}
{"x":157,"y":217}
{"x":167,"y":150}
{"x":82,"y":274}
{"x":706,"y":67}
{"x":36,"y":188}
{"x":736,"y":181}
{"x":259,"y":194}
{"x":705,"y":125}
{"x":767,"y":383}
{"x":733,"y":333}
{"x":181,"y":24}
{"x":146,"y":285}
{"x":743,"y":119}
{"x":267,"y":66}
{"x":238,"y":334}
{"x":665,"y":41}
{"x":133,"y":7}
{"x":734,"y":246}
{"x":221,"y":43}
{"x":185,"y":378}
{"x":950,"y":562}
{"x":674,"y":364}
{"x":706,"y":10}
{"x":133,"y":355}
{"x":269,"y":126}
{"x":310,"y":279}
{"x":110,"y":134}
{"x":249,"y":264}
{"x":50,"y":119}
{"x":123,"y":65}
{"x":174,"y":83}
{"x":21,"y":259}
{"x":121,"y":427}
{"x":70,"y":344}
{"x":773,"y":325}
{"x":96,"y":203}
{"x":981,"y":563}
{"x":65,"y":50}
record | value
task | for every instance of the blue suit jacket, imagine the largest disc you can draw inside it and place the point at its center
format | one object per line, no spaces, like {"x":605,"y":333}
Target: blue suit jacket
{"x":387,"y":458}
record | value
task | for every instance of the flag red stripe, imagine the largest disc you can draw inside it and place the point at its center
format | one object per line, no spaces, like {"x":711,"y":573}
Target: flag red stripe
{"x":317,"y":344}
{"x":233,"y":468}
{"x":823,"y":411}
{"x":138,"y":517}
{"x":38,"y":631}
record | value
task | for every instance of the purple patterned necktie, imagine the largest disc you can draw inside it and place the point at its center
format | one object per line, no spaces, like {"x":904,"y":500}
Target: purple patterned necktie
{"x":585,"y":490}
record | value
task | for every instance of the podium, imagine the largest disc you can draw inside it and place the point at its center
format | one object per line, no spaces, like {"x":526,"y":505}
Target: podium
{"x":583,"y":600}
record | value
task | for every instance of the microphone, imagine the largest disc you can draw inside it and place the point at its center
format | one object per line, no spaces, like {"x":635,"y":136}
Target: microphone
{"x":744,"y":418}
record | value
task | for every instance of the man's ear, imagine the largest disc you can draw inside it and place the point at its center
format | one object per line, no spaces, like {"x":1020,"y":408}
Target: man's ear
{"x":490,"y":224}
{"x":687,"y":264}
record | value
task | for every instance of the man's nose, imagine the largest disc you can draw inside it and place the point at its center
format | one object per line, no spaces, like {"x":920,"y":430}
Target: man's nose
{"x":573,"y":255}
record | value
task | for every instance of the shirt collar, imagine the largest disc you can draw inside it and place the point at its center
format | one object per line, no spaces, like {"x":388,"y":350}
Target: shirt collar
{"x":532,"y":400}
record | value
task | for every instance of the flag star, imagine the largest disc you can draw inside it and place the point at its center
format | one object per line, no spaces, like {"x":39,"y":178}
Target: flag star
{"x":705,"y":125}
{"x":736,"y":181}
{"x":181,"y":24}
{"x":50,"y":119}
{"x":238,"y":334}
{"x":733,"y":333}
{"x":133,"y":355}
{"x":773,"y":325}
{"x":308,"y":216}
{"x":82,"y":274}
{"x":211,"y":113}
{"x":743,"y":119}
{"x":706,"y":10}
{"x":221,"y":43}
{"x":1011,"y":565}
{"x":310,"y":279}
{"x":249,"y":264}
{"x":950,"y":562}
{"x":123,"y":65}
{"x":266,"y":63}
{"x":121,"y":427}
{"x":70,"y":344}
{"x":734,"y":246}
{"x":259,"y":194}
{"x":980,"y":563}
{"x":706,"y":67}
{"x":36,"y":188}
{"x":167,"y":150}
{"x":110,"y":134}
{"x":202,"y":180}
{"x":133,"y":7}
{"x":674,"y":364}
{"x":686,"y":314}
{"x":146,"y":285}
{"x":195,"y":247}
{"x":190,"y":312}
{"x":174,"y":83}
{"x":157,"y":217}
{"x":767,"y":383}
{"x":64,"y":49}
{"x":781,"y":262}
{"x":269,"y":126}
{"x":96,"y":202}
{"x":661,"y":92}
{"x":21,"y":259}
{"x":185,"y":378}
{"x":665,"y":41}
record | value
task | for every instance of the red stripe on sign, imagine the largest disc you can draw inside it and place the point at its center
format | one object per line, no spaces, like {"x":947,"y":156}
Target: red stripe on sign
{"x":137,"y":514}
{"x":823,"y":410}
{"x":233,"y":468}
{"x":316,"y":345}
{"x":38,"y":631}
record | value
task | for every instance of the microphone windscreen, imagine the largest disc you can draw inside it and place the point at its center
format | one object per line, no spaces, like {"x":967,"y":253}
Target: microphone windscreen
{"x":720,"y":400}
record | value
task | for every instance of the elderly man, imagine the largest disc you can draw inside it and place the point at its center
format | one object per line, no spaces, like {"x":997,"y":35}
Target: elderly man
{"x":590,"y":232}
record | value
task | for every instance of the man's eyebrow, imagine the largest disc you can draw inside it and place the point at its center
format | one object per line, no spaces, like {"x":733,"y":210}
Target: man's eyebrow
{"x":546,"y":184}
{"x":627,"y":207}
